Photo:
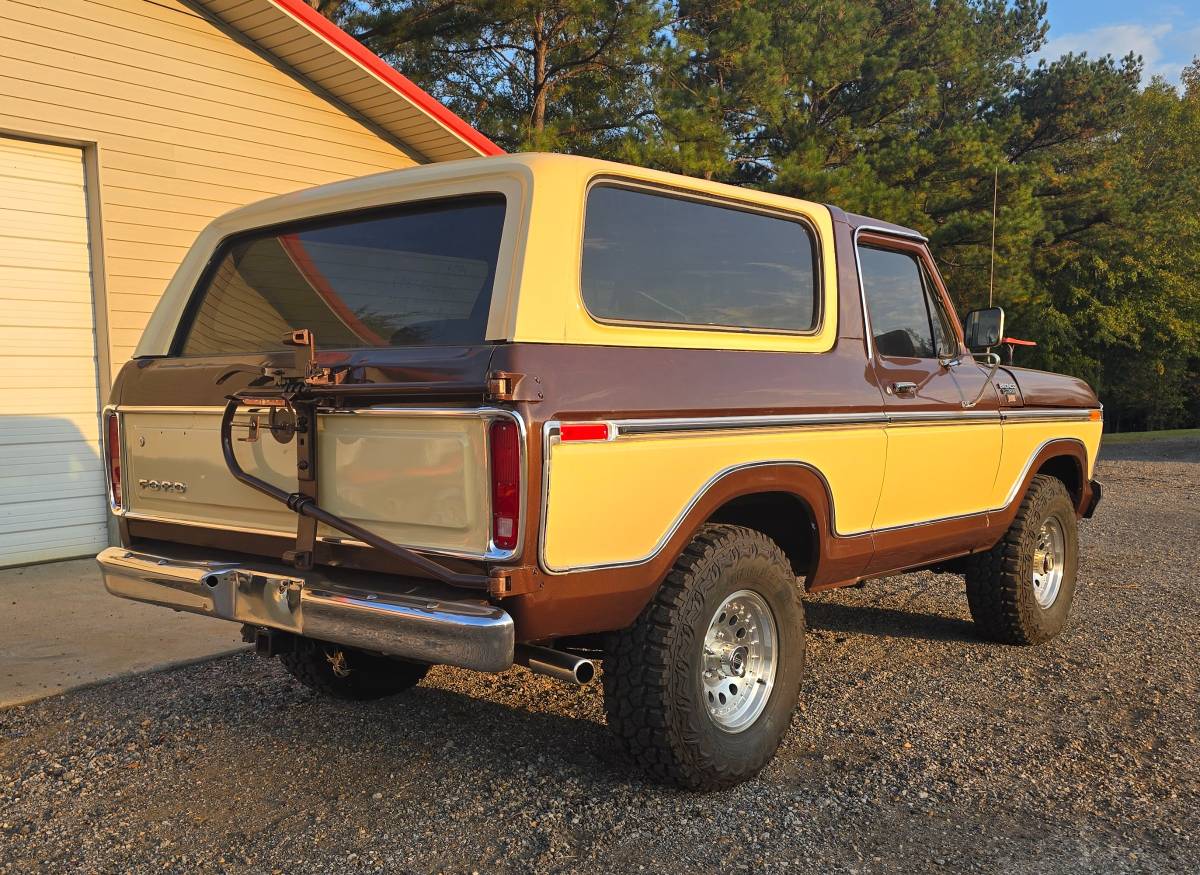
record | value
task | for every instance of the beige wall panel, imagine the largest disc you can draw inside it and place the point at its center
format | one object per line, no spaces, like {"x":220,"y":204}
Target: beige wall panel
{"x":146,"y":249}
{"x":157,"y":173}
{"x":269,"y":116}
{"x":140,"y":268}
{"x":133,"y":29}
{"x":80,"y":54}
{"x":273,"y":175}
{"x":129,"y":319}
{"x":208,"y":132}
{"x":101,"y":39}
{"x":189,"y":124}
{"x":202,"y":148}
{"x":134,"y":287}
{"x":149,"y":233}
{"x":118,"y":213}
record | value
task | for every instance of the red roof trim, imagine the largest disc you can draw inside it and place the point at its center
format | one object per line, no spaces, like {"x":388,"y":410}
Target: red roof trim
{"x":335,"y":36}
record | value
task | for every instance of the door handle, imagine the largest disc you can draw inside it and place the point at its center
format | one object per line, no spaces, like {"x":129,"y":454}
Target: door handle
{"x":903,"y":390}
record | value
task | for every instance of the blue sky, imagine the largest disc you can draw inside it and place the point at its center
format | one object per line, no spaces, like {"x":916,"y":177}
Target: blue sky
{"x":1166,"y":33}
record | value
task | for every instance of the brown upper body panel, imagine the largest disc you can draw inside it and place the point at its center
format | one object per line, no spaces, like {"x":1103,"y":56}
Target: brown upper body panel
{"x":207,"y":381}
{"x":1046,"y":389}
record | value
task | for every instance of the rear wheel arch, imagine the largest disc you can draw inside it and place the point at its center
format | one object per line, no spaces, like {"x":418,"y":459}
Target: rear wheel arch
{"x":785,"y":517}
{"x":610,"y":598}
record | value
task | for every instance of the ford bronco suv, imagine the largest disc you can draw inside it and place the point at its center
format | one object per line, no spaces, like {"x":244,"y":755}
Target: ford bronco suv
{"x":540,"y":409}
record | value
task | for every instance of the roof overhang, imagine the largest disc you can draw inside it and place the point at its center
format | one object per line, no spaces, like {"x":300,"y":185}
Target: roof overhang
{"x":316,"y":49}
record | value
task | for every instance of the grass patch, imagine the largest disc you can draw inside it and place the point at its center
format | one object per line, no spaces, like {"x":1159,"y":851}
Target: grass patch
{"x":1141,"y":437}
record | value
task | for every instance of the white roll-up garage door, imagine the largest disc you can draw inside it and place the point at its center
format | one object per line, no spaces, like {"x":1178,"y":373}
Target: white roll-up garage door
{"x":52,"y":502}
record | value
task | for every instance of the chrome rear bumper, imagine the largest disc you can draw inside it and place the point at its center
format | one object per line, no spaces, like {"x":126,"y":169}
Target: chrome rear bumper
{"x":409,"y":622}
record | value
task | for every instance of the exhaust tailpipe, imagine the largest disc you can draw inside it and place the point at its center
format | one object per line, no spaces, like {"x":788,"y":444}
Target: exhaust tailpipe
{"x":556,"y":664}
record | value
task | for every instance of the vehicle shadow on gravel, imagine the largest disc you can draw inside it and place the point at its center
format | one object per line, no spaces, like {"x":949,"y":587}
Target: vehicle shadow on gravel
{"x":830,"y":616}
{"x":501,"y":725}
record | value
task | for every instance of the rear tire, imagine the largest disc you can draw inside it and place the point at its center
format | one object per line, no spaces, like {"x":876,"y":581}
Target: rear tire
{"x":1020,"y":591}
{"x":700,"y":689}
{"x":345,"y":673}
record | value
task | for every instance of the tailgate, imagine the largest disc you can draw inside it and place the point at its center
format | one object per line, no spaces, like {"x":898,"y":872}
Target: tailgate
{"x":415,"y":477}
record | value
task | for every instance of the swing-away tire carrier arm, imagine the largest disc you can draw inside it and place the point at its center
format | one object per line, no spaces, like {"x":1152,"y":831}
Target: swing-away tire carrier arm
{"x":306,"y":506}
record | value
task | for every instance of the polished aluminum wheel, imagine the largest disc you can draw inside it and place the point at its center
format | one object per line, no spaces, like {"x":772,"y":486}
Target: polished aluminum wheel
{"x":741,"y":651}
{"x":1049,"y":558}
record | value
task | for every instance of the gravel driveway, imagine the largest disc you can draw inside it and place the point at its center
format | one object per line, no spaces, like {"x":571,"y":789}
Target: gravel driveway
{"x":918,"y":747}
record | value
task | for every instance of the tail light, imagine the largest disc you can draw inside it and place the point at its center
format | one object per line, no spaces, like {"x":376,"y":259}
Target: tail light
{"x":505,"y":447}
{"x":112,"y":452}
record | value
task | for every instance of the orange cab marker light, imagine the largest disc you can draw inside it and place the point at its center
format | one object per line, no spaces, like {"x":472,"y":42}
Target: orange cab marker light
{"x":586,"y":431}
{"x":1095,"y":415}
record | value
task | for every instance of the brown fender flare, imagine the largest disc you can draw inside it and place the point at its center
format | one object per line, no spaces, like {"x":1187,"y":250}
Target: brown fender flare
{"x":1071,"y":449}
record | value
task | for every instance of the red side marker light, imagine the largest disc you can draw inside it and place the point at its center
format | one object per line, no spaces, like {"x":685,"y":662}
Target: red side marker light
{"x":585,"y":431}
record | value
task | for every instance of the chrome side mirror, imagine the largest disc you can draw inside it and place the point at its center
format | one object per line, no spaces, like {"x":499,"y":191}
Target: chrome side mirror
{"x":983,"y":329}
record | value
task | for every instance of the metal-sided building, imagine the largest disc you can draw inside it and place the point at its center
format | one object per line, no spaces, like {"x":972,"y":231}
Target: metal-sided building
{"x":125,"y":126}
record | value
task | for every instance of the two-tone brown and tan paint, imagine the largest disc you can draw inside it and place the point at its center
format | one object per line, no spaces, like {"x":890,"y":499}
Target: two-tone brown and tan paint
{"x":799,"y":436}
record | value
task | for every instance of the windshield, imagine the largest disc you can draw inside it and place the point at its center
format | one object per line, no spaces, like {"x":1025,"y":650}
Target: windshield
{"x":417,"y":275}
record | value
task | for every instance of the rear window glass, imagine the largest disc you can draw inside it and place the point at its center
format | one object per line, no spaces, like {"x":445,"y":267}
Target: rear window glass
{"x":420,"y":275}
{"x":654,"y":258}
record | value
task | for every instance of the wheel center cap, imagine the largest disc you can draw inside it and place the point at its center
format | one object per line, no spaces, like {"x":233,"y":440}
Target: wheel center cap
{"x":736,"y":661}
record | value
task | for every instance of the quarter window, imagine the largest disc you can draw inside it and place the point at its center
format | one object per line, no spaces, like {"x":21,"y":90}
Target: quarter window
{"x":655,"y":258}
{"x":907,"y":319}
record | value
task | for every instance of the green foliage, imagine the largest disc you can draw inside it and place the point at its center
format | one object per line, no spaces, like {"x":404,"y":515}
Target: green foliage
{"x":551,"y":75}
{"x":909,"y":110}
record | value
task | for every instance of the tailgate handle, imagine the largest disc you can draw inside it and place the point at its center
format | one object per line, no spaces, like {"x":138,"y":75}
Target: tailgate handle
{"x":251,"y":431}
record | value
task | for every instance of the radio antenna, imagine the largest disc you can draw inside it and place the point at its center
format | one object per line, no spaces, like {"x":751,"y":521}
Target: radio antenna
{"x":992,"y":267}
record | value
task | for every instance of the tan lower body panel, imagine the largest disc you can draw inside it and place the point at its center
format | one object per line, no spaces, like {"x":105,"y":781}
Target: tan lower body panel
{"x":936,"y":471}
{"x":1023,"y":439}
{"x":616,"y":502}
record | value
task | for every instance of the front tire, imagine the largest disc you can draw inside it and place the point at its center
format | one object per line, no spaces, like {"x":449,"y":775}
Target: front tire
{"x":1020,"y":591}
{"x":700,"y":690}
{"x":345,"y":673}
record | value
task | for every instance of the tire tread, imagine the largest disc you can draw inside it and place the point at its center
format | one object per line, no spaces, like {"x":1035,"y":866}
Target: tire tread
{"x":372,"y":677}
{"x":639,"y":695}
{"x":999,"y":595}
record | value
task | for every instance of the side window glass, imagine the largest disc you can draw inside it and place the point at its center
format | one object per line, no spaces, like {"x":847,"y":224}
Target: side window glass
{"x":897,"y":303}
{"x":654,"y":259}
